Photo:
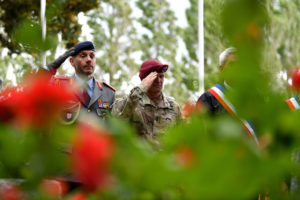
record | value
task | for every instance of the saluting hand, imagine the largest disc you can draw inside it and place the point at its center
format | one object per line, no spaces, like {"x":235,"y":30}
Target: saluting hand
{"x":58,"y":61}
{"x":149,"y":79}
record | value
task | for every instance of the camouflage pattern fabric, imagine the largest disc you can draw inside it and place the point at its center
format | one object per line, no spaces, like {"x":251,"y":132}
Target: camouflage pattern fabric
{"x":149,"y":119}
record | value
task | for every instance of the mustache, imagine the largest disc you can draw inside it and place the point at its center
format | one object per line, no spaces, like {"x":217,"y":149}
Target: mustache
{"x":88,"y":65}
{"x":157,"y":84}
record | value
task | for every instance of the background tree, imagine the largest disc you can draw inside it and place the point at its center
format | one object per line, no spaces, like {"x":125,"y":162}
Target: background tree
{"x":19,"y":65}
{"x":187,"y":166}
{"x":22,"y":32}
{"x":281,"y":53}
{"x":159,"y":40}
{"x":115,"y":39}
{"x":214,"y":40}
{"x":122,"y":48}
{"x":61,"y":17}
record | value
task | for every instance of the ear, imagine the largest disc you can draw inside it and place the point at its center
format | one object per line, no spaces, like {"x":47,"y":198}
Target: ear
{"x":72,"y":61}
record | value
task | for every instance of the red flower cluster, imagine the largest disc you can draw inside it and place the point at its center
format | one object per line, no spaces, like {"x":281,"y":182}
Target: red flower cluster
{"x":92,"y":150}
{"x":11,"y":192}
{"x":35,"y":102}
{"x":8,"y":104}
{"x":77,"y":196}
{"x":296,"y":79}
{"x":54,"y":187}
{"x":189,"y":109}
{"x":185,"y":156}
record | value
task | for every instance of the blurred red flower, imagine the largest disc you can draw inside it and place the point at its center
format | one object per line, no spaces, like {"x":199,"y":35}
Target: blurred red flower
{"x":254,"y":31}
{"x":11,"y":192}
{"x":92,"y":150}
{"x":77,"y":196}
{"x":296,"y":79}
{"x":9,"y":98}
{"x":35,"y":103}
{"x":184,"y":156}
{"x":191,"y":108}
{"x":54,"y":187}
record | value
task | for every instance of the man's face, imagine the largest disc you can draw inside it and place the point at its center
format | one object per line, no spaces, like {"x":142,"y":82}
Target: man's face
{"x":84,"y":63}
{"x":229,"y":60}
{"x":158,"y":83}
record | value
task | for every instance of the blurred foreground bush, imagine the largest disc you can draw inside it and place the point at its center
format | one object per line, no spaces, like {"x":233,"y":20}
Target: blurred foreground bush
{"x":202,"y":157}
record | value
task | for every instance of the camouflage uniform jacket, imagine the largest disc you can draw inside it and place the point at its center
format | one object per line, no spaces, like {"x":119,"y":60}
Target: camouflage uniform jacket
{"x":149,"y":119}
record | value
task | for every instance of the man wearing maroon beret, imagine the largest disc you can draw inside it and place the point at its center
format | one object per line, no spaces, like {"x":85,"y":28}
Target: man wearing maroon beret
{"x":146,"y":107}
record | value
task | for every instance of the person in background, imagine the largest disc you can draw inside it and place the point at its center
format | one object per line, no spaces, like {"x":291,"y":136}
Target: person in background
{"x":92,"y":96}
{"x":92,"y":99}
{"x":146,"y":107}
{"x":214,"y":99}
{"x":293,"y":104}
{"x":207,"y":98}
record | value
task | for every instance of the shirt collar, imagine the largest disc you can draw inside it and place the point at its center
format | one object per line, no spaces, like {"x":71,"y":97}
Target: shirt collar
{"x":81,"y":81}
{"x":165,"y":101}
{"x":91,"y":83}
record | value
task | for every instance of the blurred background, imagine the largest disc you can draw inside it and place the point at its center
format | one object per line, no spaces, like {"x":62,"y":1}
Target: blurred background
{"x":128,"y":32}
{"x":203,"y":156}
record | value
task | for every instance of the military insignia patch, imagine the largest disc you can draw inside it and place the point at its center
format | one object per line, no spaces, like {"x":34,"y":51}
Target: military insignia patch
{"x":103,"y":104}
{"x":70,"y":113}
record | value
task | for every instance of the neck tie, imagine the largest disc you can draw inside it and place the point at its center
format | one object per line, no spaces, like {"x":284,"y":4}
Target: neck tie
{"x":86,"y":96}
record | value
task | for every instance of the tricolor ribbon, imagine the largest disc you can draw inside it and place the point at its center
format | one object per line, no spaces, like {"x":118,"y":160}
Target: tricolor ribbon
{"x":218,"y":92}
{"x":293,"y":103}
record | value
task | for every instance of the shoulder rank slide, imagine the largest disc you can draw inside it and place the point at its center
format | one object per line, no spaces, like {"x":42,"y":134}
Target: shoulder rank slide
{"x":109,"y":86}
{"x":99,"y":85}
{"x":59,"y":79}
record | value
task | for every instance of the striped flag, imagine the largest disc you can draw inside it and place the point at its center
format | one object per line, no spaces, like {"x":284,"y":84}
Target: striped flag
{"x":218,"y":92}
{"x":293,"y":103}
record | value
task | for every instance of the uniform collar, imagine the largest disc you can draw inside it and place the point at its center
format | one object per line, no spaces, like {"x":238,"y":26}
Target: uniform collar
{"x":81,"y":81}
{"x":165,"y":101}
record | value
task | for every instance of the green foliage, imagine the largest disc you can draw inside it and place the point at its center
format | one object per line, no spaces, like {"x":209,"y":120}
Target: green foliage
{"x":204,"y":157}
{"x":20,"y":65}
{"x":31,"y":155}
{"x":214,"y":41}
{"x":115,"y":40}
{"x":284,"y":22}
{"x":22,"y":31}
{"x":159,"y":20}
{"x":61,"y":17}
{"x":160,"y":41}
{"x":223,"y":157}
{"x":280,"y":53}
{"x":29,"y":36}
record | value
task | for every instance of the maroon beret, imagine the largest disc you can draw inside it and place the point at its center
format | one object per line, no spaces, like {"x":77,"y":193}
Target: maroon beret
{"x":151,"y":66}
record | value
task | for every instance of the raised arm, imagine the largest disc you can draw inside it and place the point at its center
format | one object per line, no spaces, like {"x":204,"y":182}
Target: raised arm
{"x":125,"y":106}
{"x":53,"y":66}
